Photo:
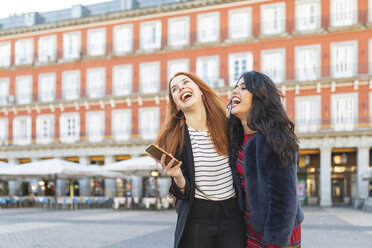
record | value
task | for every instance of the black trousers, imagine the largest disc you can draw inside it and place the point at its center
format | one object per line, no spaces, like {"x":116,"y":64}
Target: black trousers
{"x":214,"y":224}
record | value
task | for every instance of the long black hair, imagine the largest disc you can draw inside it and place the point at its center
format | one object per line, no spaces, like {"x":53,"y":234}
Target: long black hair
{"x":266,"y":115}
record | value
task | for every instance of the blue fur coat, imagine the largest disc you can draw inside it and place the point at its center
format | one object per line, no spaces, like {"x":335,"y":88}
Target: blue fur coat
{"x":271,"y":192}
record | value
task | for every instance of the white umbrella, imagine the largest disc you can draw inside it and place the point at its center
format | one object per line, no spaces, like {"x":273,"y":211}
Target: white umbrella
{"x":48,"y":168}
{"x":133,"y":166}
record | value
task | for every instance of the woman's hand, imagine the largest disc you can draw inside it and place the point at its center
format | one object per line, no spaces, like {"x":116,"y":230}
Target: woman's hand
{"x":173,"y":171}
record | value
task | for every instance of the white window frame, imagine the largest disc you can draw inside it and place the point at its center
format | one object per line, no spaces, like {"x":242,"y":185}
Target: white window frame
{"x":353,"y":64}
{"x":171,"y":63}
{"x":172,"y":37}
{"x":95,"y":49}
{"x":212,"y":80}
{"x":312,"y":124}
{"x":44,"y":54}
{"x":370,"y":108}
{"x":215,"y":35}
{"x":265,"y":29}
{"x":4,"y":94}
{"x":122,"y":87}
{"x":64,"y":138}
{"x":370,"y":52}
{"x":300,"y":71}
{"x":50,"y":94}
{"x":155,"y":78}
{"x":74,"y":54}
{"x":4,"y":138}
{"x":95,"y":135}
{"x":40,"y":138}
{"x":124,"y":131}
{"x":300,"y":16}
{"x":95,"y":91}
{"x":281,"y":75}
{"x":119,"y":47}
{"x":344,"y":126}
{"x":67,"y":94}
{"x":22,"y":98}
{"x":333,"y":15}
{"x":6,"y":52}
{"x":151,"y":136}
{"x":26,"y":136}
{"x":145,"y":45}
{"x":235,"y":33}
{"x":24,"y":58}
{"x":232,"y":58}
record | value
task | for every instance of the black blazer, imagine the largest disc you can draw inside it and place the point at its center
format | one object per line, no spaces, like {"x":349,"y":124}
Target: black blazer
{"x":184,"y":201}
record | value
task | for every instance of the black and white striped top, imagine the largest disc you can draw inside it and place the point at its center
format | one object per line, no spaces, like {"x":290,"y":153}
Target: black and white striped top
{"x":213,"y":178}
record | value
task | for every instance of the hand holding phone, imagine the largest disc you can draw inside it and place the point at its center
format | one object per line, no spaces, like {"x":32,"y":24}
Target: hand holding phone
{"x":157,"y":153}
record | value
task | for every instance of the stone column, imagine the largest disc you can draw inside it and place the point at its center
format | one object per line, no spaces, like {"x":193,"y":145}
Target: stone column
{"x":14,"y":185}
{"x":84,"y":183}
{"x":60,"y":185}
{"x":35,"y":181}
{"x":164,"y":183}
{"x":110,"y":190}
{"x":137,"y":186}
{"x":362,"y":167}
{"x":325,"y":177}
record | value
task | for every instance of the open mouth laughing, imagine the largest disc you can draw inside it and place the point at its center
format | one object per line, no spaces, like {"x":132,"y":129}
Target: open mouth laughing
{"x":235,"y":101}
{"x":185,"y":96}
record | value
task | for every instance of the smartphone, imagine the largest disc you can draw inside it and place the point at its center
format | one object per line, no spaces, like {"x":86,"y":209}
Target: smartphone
{"x":157,"y":152}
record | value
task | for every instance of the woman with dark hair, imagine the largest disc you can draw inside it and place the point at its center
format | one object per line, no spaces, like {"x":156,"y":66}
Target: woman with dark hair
{"x":264,"y":151}
{"x":196,"y":132}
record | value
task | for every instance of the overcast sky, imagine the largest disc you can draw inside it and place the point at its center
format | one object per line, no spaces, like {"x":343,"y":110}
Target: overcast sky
{"x":8,"y":7}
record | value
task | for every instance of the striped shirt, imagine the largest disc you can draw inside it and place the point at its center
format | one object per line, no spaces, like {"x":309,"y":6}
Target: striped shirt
{"x":213,"y":177}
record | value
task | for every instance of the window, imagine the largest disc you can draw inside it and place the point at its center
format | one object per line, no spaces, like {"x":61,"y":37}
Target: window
{"x":209,"y":27}
{"x":207,"y":68}
{"x":24,"y":52}
{"x":273,"y":64}
{"x":178,"y":31}
{"x":5,"y":51}
{"x":149,"y":123}
{"x":307,"y":62}
{"x":121,"y":124}
{"x":344,"y":111}
{"x":71,"y":85}
{"x":45,"y":129}
{"x":370,"y":55}
{"x":71,"y":45}
{"x":4,"y":91}
{"x":307,"y":15}
{"x":96,"y":42}
{"x":308,"y":114}
{"x":240,"y":23}
{"x":370,"y":10}
{"x":96,"y":82}
{"x":149,"y":77}
{"x":95,"y":126}
{"x":3,"y":131}
{"x":122,"y":80}
{"x":123,"y":36}
{"x":179,"y":65}
{"x":47,"y":87}
{"x":343,"y":12}
{"x":239,"y":63}
{"x":370,"y":108}
{"x":150,"y":35}
{"x":22,"y":130}
{"x":273,"y":18}
{"x":69,"y":127}
{"x":24,"y":89}
{"x":344,"y":59}
{"x":47,"y":48}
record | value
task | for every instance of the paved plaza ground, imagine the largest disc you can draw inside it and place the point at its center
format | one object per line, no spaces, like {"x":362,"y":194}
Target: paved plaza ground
{"x":23,"y":228}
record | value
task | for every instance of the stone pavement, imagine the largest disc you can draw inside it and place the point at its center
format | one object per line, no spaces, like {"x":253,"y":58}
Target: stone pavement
{"x":104,"y":228}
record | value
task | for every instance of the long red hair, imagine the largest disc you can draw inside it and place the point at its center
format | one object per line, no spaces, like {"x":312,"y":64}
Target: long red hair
{"x":171,"y":135}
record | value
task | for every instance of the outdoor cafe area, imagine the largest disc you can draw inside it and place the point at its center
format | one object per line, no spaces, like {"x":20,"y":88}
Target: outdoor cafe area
{"x":60,"y":184}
